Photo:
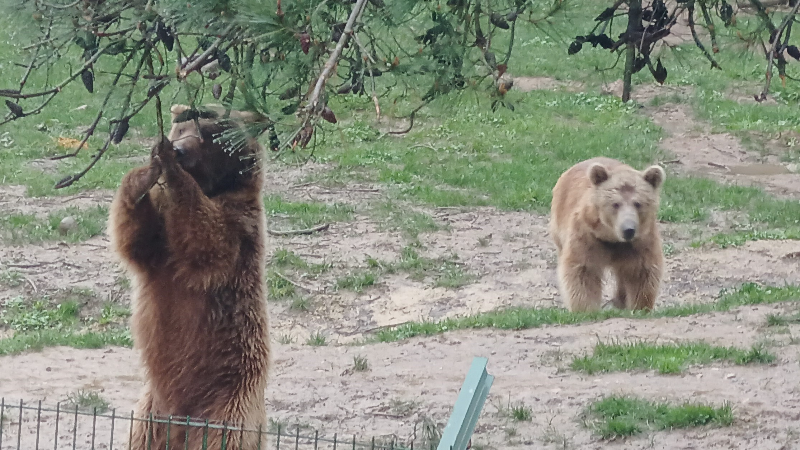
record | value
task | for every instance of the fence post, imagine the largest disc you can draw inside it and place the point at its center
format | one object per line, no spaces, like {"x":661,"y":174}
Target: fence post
{"x":457,"y":433}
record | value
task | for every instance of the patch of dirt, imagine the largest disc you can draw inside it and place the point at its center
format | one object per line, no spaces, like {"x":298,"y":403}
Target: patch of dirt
{"x":313,"y":386}
{"x":14,"y":201}
{"x":527,"y":84}
{"x":721,"y":156}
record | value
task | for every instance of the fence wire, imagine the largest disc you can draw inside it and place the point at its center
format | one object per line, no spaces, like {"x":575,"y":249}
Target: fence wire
{"x":34,"y":427}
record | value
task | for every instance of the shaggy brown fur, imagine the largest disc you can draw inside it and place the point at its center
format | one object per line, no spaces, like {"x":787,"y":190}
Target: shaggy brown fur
{"x":603,"y":216}
{"x":194,"y":246}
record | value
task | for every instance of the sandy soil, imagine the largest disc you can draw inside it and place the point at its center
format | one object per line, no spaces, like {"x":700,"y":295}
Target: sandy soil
{"x":513,"y":262}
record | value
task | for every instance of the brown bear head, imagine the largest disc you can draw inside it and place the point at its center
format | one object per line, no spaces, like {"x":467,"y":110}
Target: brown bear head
{"x":217,"y":153}
{"x":626,"y":199}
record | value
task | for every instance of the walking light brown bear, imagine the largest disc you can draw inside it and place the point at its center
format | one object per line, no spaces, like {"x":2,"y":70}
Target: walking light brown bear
{"x":603,"y":216}
{"x":189,"y":229}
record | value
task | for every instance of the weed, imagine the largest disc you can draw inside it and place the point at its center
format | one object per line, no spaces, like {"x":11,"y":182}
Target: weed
{"x":620,"y":416}
{"x":520,"y":413}
{"x":665,"y":358}
{"x":360,"y":363}
{"x":88,"y":401}
{"x":317,"y":339}
{"x":356,"y":281}
{"x":300,"y":303}
{"x":11,"y":278}
{"x":522,"y":318}
{"x":403,"y":408}
{"x":278,"y":287}
{"x":286,"y":339}
{"x":112,"y":313}
{"x":287,"y":259}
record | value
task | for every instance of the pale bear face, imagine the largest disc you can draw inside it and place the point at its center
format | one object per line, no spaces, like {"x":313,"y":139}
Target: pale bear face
{"x":627,"y":200}
{"x":213,"y":164}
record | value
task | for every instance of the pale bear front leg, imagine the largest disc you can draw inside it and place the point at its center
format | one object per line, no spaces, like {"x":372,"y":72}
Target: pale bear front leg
{"x":642,"y":285}
{"x":581,"y":284}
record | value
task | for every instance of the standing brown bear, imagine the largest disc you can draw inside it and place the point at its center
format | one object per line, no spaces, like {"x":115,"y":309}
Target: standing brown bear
{"x":189,"y":228}
{"x":603,"y":216}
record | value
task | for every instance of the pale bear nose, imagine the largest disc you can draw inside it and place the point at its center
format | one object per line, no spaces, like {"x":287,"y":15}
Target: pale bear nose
{"x":628,"y":233}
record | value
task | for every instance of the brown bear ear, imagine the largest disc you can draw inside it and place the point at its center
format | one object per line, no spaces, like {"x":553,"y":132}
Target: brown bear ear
{"x":655,"y":175}
{"x":598,"y":174}
{"x":175,"y":110}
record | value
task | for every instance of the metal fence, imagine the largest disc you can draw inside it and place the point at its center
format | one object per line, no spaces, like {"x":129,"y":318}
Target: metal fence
{"x":37,"y":427}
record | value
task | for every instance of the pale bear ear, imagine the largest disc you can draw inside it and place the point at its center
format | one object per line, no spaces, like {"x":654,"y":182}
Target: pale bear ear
{"x":175,"y":110}
{"x":598,"y":174}
{"x":655,"y":175}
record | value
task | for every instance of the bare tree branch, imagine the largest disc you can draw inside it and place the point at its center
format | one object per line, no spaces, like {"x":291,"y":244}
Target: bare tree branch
{"x":327,"y":70}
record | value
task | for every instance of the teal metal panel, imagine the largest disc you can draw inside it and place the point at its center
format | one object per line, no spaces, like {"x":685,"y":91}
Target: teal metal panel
{"x":458,"y":432}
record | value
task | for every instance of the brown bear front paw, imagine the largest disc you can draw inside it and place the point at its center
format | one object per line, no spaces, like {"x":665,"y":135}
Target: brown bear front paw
{"x":139,"y":182}
{"x":164,"y":153}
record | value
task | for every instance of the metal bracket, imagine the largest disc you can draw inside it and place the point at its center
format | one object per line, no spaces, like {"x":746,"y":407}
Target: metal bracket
{"x":458,"y":432}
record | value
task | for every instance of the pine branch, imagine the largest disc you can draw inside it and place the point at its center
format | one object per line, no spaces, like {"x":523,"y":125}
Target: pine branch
{"x":773,"y":49}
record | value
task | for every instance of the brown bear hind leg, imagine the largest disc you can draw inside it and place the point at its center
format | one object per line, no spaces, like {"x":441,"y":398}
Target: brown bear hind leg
{"x":581,"y":286}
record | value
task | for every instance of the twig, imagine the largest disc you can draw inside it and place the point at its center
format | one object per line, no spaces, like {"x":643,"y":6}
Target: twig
{"x":35,"y":290}
{"x":201,"y":60}
{"x":313,"y":99}
{"x":690,"y":11}
{"x":311,"y":230}
{"x":296,"y":284}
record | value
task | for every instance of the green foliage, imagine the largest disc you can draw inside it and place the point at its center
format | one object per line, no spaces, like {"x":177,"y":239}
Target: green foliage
{"x":664,"y":358}
{"x":621,"y":416}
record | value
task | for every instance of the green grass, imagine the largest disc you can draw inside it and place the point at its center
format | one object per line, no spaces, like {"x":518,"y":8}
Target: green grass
{"x":360,"y":363}
{"x":664,"y":358}
{"x":356,"y":281}
{"x":736,"y":239}
{"x":393,"y":215}
{"x":278,"y":287}
{"x":40,"y":323}
{"x":317,"y":340}
{"x":621,"y":416}
{"x":523,"y":318}
{"x":11,"y":278}
{"x":306,"y":215}
{"x":777,"y":320}
{"x":87,"y":401}
{"x":30,"y":229}
{"x":22,"y":342}
{"x":284,"y":258}
{"x":520,"y":412}
{"x":21,"y":315}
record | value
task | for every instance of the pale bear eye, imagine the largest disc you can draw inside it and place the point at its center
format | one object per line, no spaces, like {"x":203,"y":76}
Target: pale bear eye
{"x":637,"y":205}
{"x":615,"y":205}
